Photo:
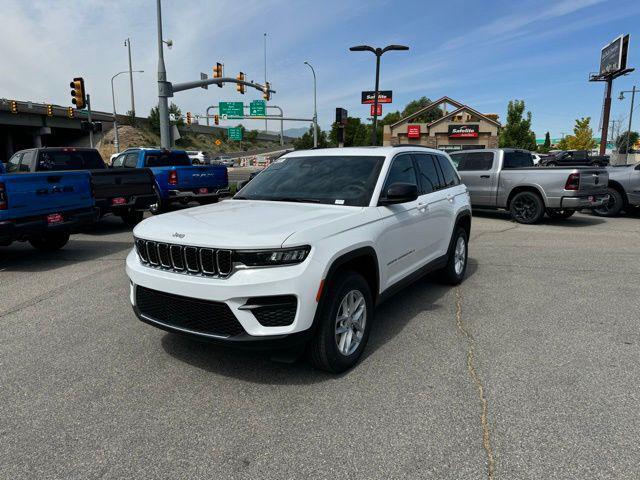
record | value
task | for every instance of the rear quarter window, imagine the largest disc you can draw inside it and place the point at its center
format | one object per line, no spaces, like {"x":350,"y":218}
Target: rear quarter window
{"x":451,"y":178}
{"x":517,"y":159}
{"x":167,"y":159}
{"x":477,"y":161}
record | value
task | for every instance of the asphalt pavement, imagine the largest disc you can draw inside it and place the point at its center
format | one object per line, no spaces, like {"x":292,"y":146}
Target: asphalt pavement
{"x":529,"y":369}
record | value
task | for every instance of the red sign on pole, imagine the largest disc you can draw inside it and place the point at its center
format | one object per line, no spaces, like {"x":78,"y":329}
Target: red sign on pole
{"x":413,"y":131}
{"x":379,"y":110}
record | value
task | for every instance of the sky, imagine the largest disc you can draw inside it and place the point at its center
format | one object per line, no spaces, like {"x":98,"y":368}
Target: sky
{"x":482,"y":53}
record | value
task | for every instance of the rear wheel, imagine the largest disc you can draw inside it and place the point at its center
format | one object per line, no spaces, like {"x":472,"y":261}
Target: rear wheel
{"x":551,"y":164}
{"x":613,"y":206}
{"x":527,"y":208}
{"x":50,"y":242}
{"x":559,"y":213}
{"x":344,"y":324}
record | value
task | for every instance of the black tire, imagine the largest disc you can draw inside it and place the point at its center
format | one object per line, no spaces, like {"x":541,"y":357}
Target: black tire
{"x":559,"y":214}
{"x":50,"y":242}
{"x":613,"y":206}
{"x":322,"y":350}
{"x":551,"y":164}
{"x":158,"y":208}
{"x":527,"y":208}
{"x":132,"y":217}
{"x":451,"y":274}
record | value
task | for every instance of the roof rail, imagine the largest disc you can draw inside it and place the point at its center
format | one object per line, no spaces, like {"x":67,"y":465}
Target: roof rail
{"x":411,"y":145}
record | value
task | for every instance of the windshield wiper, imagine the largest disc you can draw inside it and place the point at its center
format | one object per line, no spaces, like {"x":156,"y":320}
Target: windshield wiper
{"x":294,"y":199}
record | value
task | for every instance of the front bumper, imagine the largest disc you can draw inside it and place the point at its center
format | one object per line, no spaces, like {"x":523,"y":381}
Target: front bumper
{"x":24,"y":228}
{"x":585,"y":201}
{"x":301,"y":281}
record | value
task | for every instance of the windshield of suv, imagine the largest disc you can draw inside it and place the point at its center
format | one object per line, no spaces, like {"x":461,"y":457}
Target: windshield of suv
{"x":168,"y":159}
{"x":336,"y":180}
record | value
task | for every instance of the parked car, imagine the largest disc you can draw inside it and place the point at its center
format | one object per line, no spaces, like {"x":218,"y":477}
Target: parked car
{"x":177,"y":180}
{"x":574,"y":158}
{"x":506,"y":178}
{"x":44,"y":208}
{"x":624,"y":190}
{"x":304,"y":252}
{"x":124,"y":192}
{"x":198,"y":157}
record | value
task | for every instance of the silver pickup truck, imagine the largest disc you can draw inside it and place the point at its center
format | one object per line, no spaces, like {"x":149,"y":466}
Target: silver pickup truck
{"x":624,"y":190}
{"x":506,"y":178}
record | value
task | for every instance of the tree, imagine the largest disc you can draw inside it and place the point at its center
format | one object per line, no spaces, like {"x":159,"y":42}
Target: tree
{"x":426,"y":117}
{"x":154,"y":117}
{"x":563,"y":144}
{"x":305,"y":142}
{"x":356,"y":133}
{"x":582,"y":138}
{"x":621,"y":142}
{"x":546,"y":146}
{"x":517,"y":132}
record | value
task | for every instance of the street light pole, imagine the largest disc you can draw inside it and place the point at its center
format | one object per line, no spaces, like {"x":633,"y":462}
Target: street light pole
{"x":116,"y":140}
{"x":133,"y":105}
{"x":163,"y":103}
{"x":378,"y":52}
{"x":315,"y":107}
{"x":633,"y":97}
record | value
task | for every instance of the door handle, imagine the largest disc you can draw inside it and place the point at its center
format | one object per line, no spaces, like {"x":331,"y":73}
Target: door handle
{"x":450,"y":198}
{"x":485,"y":176}
{"x":423,"y":207}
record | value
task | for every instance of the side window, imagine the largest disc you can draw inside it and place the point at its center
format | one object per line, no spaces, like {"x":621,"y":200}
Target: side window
{"x":449,"y":173}
{"x":517,"y":159}
{"x":14,"y":163}
{"x":27,"y":161}
{"x":479,"y":161}
{"x":118,"y":161}
{"x":430,"y":180}
{"x":131,"y":160}
{"x":401,"y":171}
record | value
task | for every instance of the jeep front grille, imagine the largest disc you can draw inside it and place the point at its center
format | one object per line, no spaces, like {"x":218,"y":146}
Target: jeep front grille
{"x":188,"y":259}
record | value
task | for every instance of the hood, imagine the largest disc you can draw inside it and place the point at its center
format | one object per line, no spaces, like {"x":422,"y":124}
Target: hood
{"x":240,"y":223}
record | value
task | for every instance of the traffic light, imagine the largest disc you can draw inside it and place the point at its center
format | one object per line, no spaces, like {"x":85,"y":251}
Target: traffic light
{"x":70,"y":112}
{"x":218,"y":72}
{"x":240,"y":87}
{"x":266,"y":94}
{"x":216,"y":119}
{"x":188,"y":118}
{"x":14,"y":106}
{"x":49,"y":110}
{"x":78,"y":96}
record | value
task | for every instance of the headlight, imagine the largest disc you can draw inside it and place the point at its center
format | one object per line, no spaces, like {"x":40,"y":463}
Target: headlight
{"x":265,"y":258}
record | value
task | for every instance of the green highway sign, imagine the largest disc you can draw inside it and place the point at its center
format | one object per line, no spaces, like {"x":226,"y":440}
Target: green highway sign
{"x":234,"y":133}
{"x":231,"y":109}
{"x":258,"y":108}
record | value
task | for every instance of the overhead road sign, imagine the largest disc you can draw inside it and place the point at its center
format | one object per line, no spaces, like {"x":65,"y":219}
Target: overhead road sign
{"x":258,"y":108}
{"x":231,"y":109}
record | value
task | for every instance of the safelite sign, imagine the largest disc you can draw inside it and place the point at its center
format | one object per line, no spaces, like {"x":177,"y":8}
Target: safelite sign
{"x":413,"y":131}
{"x":463,"y":131}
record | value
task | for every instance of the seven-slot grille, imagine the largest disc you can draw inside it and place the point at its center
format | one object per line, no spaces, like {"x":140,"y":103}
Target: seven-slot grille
{"x":185,"y":258}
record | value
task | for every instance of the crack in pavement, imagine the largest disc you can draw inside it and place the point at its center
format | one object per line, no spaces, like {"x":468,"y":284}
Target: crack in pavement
{"x":471,"y":346}
{"x":493,"y":232}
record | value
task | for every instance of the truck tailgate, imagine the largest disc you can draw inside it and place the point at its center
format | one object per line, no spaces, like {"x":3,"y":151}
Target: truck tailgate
{"x":31,"y":194}
{"x":212,"y":176}
{"x":593,"y":180}
{"x":122,"y":182}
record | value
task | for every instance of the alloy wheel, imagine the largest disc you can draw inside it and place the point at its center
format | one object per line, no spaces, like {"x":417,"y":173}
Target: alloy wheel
{"x":350,"y":322}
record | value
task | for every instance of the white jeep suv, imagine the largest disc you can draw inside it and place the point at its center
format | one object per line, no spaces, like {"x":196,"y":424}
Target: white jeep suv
{"x":305,"y":251}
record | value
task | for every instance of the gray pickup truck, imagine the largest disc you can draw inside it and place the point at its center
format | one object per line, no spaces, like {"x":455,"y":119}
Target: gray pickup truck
{"x":506,"y":178}
{"x":624,"y":190}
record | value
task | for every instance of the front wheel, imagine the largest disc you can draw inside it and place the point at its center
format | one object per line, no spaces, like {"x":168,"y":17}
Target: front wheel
{"x":613,"y":206}
{"x":50,"y":242}
{"x":527,"y":208}
{"x":559,"y":213}
{"x":344,"y":324}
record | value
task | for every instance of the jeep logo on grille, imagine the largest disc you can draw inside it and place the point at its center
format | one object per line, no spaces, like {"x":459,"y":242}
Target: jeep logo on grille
{"x":178,"y":235}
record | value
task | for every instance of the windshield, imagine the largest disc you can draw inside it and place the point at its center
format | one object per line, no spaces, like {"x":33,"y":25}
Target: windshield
{"x":336,"y":180}
{"x":168,"y":159}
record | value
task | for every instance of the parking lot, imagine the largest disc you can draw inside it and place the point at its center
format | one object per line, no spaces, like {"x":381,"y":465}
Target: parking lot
{"x":529,"y":369}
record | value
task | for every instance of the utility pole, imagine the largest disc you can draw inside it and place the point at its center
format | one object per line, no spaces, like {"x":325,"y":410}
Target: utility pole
{"x":315,"y":107}
{"x":163,"y":103}
{"x":133,"y":105}
{"x":265,"y":72}
{"x":633,"y":97}
{"x":89,"y":119}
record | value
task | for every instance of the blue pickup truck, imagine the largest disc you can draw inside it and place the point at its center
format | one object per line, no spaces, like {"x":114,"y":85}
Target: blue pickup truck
{"x":177,"y":180}
{"x":44,"y":208}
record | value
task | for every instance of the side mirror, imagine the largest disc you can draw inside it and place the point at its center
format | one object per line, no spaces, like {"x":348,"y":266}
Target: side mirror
{"x":399,"y":193}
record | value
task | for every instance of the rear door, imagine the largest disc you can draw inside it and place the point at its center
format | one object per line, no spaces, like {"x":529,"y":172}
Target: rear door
{"x":478,"y":172}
